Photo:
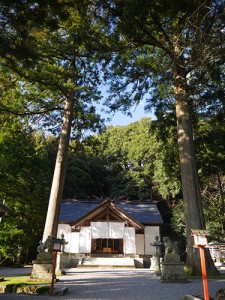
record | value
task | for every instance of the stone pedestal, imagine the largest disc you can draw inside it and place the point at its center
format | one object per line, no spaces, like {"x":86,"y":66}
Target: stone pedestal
{"x":155,"y":263}
{"x":42,"y":267}
{"x":172,"y":267}
{"x":173,"y":272}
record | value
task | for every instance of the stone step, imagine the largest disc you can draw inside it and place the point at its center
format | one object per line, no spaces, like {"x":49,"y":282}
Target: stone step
{"x":106,"y":262}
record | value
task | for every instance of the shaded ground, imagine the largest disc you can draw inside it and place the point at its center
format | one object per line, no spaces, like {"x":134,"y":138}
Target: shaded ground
{"x":119,"y":284}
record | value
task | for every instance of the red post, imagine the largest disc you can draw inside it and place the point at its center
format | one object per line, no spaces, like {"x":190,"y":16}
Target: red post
{"x":53,"y":271}
{"x":204,"y":275}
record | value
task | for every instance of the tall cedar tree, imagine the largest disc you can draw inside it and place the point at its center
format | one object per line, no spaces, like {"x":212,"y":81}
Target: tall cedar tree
{"x":57,"y":75}
{"x":164,"y":44}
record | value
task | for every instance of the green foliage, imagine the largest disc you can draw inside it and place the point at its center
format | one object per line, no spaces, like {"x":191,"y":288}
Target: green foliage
{"x":86,"y":174}
{"x":62,"y":66}
{"x":211,"y":160}
{"x":24,"y":186}
{"x":213,"y":210}
{"x":152,"y":32}
{"x":178,"y":220}
{"x":129,"y":161}
{"x":167,"y":167}
{"x":128,"y":152}
{"x":9,"y":241}
{"x":213,"y":199}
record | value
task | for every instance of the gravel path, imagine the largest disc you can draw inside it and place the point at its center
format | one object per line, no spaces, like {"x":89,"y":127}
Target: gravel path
{"x":121,"y":284}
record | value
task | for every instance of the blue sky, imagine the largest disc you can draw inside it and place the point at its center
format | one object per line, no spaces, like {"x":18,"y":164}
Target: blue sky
{"x":119,"y":119}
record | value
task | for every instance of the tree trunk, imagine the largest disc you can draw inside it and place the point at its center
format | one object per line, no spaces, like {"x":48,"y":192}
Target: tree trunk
{"x":221,"y":203}
{"x":51,"y":223}
{"x":193,"y":209}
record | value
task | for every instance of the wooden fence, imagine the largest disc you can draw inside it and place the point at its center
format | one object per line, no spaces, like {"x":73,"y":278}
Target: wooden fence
{"x":217,"y":251}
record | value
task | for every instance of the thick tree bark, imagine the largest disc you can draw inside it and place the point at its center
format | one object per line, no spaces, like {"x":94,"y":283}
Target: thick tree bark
{"x":51,"y":223}
{"x":222,"y":208}
{"x":193,"y":209}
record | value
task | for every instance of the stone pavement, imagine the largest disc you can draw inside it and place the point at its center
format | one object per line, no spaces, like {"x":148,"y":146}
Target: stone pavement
{"x":119,"y":284}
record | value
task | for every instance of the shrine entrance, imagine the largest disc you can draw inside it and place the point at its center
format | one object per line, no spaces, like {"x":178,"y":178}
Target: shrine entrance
{"x":107,"y":246}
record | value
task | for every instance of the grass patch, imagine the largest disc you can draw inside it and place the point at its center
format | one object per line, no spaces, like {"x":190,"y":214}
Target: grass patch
{"x":23,"y":284}
{"x":17,"y":280}
{"x":222,"y":276}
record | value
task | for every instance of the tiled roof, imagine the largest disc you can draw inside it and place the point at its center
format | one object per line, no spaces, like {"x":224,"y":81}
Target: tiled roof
{"x":144,"y":212}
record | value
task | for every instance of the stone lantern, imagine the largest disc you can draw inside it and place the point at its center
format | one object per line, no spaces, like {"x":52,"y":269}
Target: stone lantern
{"x":155,"y":260}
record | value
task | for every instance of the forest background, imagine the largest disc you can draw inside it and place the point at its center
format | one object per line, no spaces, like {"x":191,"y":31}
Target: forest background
{"x":138,"y":161}
{"x":63,"y":53}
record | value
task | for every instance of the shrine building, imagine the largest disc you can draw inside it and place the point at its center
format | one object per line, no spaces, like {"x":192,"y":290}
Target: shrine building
{"x":106,"y":228}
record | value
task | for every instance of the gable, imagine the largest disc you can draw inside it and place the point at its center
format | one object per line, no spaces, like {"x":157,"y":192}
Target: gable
{"x":106,"y":211}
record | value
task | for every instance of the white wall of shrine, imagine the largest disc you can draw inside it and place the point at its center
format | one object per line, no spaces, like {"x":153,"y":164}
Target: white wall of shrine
{"x":80,"y":242}
{"x":150,"y":232}
{"x":140,"y":244}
